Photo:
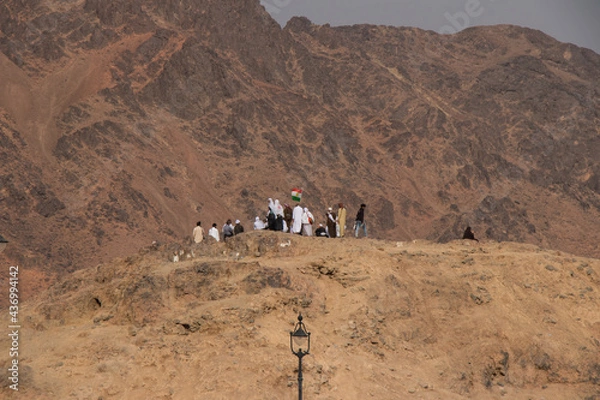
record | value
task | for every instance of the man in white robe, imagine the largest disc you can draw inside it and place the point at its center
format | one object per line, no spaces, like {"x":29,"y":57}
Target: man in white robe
{"x":297,"y":219}
{"x":214,"y":232}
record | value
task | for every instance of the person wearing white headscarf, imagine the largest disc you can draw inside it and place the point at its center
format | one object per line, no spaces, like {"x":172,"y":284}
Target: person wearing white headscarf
{"x":307,"y":219}
{"x":278,"y":216}
{"x":272,"y":205}
{"x":278,"y":208}
{"x":258,"y":224}
{"x":297,"y":220}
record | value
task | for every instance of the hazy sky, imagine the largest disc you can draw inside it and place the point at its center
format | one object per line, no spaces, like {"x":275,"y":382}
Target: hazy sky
{"x":575,"y":21}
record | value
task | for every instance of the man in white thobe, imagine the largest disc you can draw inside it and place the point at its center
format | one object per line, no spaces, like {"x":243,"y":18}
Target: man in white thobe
{"x":297,"y":219}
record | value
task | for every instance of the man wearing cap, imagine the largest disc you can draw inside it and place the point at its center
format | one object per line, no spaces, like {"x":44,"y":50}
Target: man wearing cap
{"x":321,"y":232}
{"x":238,"y":228}
{"x":331,"y":225}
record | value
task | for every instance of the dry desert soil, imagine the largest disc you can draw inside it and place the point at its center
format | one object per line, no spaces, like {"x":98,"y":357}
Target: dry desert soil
{"x":388,"y":320}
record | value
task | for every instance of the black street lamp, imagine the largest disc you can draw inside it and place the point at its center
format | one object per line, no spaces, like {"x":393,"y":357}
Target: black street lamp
{"x":300,"y":346}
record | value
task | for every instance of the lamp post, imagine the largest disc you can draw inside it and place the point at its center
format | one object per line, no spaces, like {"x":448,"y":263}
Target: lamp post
{"x":3,"y":243}
{"x":300,"y":346}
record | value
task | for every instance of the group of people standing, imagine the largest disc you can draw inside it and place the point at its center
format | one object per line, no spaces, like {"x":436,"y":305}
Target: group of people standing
{"x":300,"y":220}
{"x":283,"y":218}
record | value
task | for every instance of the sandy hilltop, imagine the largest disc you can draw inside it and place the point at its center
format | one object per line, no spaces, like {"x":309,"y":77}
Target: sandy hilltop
{"x":124,"y":122}
{"x":388,"y":320}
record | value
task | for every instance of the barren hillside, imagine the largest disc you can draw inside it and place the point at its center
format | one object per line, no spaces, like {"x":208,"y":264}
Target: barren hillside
{"x":388,"y":320}
{"x":124,"y":122}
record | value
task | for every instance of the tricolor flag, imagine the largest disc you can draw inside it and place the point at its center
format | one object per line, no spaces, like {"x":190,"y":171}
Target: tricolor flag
{"x":296,"y":194}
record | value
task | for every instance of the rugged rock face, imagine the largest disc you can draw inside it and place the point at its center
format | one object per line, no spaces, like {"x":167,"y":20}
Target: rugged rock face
{"x":125,"y":122}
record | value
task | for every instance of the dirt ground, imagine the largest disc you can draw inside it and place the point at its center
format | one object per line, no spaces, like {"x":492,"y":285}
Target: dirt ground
{"x":388,"y":320}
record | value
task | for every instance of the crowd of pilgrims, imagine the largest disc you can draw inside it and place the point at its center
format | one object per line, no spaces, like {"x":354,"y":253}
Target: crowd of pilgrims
{"x":284,"y":218}
{"x":300,"y":220}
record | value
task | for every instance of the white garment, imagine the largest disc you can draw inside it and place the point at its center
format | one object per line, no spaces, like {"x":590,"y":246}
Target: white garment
{"x":307,"y":229}
{"x":306,"y":215}
{"x":258,"y":224}
{"x":297,"y":219}
{"x":306,"y":225}
{"x":272,"y":205}
{"x":214,"y":232}
{"x":330,"y":217}
{"x":278,"y":208}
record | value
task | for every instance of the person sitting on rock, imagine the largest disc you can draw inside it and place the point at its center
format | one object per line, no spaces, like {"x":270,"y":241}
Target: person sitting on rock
{"x":469,"y":234}
{"x":321,"y":231}
{"x":238,"y":228}
{"x":227,"y":230}
{"x":258,"y":224}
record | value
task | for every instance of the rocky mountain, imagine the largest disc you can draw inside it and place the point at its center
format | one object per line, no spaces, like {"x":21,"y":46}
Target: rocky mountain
{"x":125,"y":122}
{"x":388,"y":320}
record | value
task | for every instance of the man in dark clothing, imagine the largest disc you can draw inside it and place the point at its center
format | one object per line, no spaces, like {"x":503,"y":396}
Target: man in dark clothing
{"x":331,"y":225}
{"x":287,"y":216}
{"x":469,"y":234}
{"x":279,"y":223}
{"x":360,"y":221}
{"x":238,"y":228}
{"x":271,"y":220}
{"x":321,"y":232}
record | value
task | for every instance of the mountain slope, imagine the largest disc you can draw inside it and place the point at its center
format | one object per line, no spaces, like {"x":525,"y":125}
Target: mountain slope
{"x":125,"y":122}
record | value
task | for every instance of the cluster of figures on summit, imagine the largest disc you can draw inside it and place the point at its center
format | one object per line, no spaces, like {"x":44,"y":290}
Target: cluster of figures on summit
{"x":300,"y":220}
{"x":228,"y":230}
